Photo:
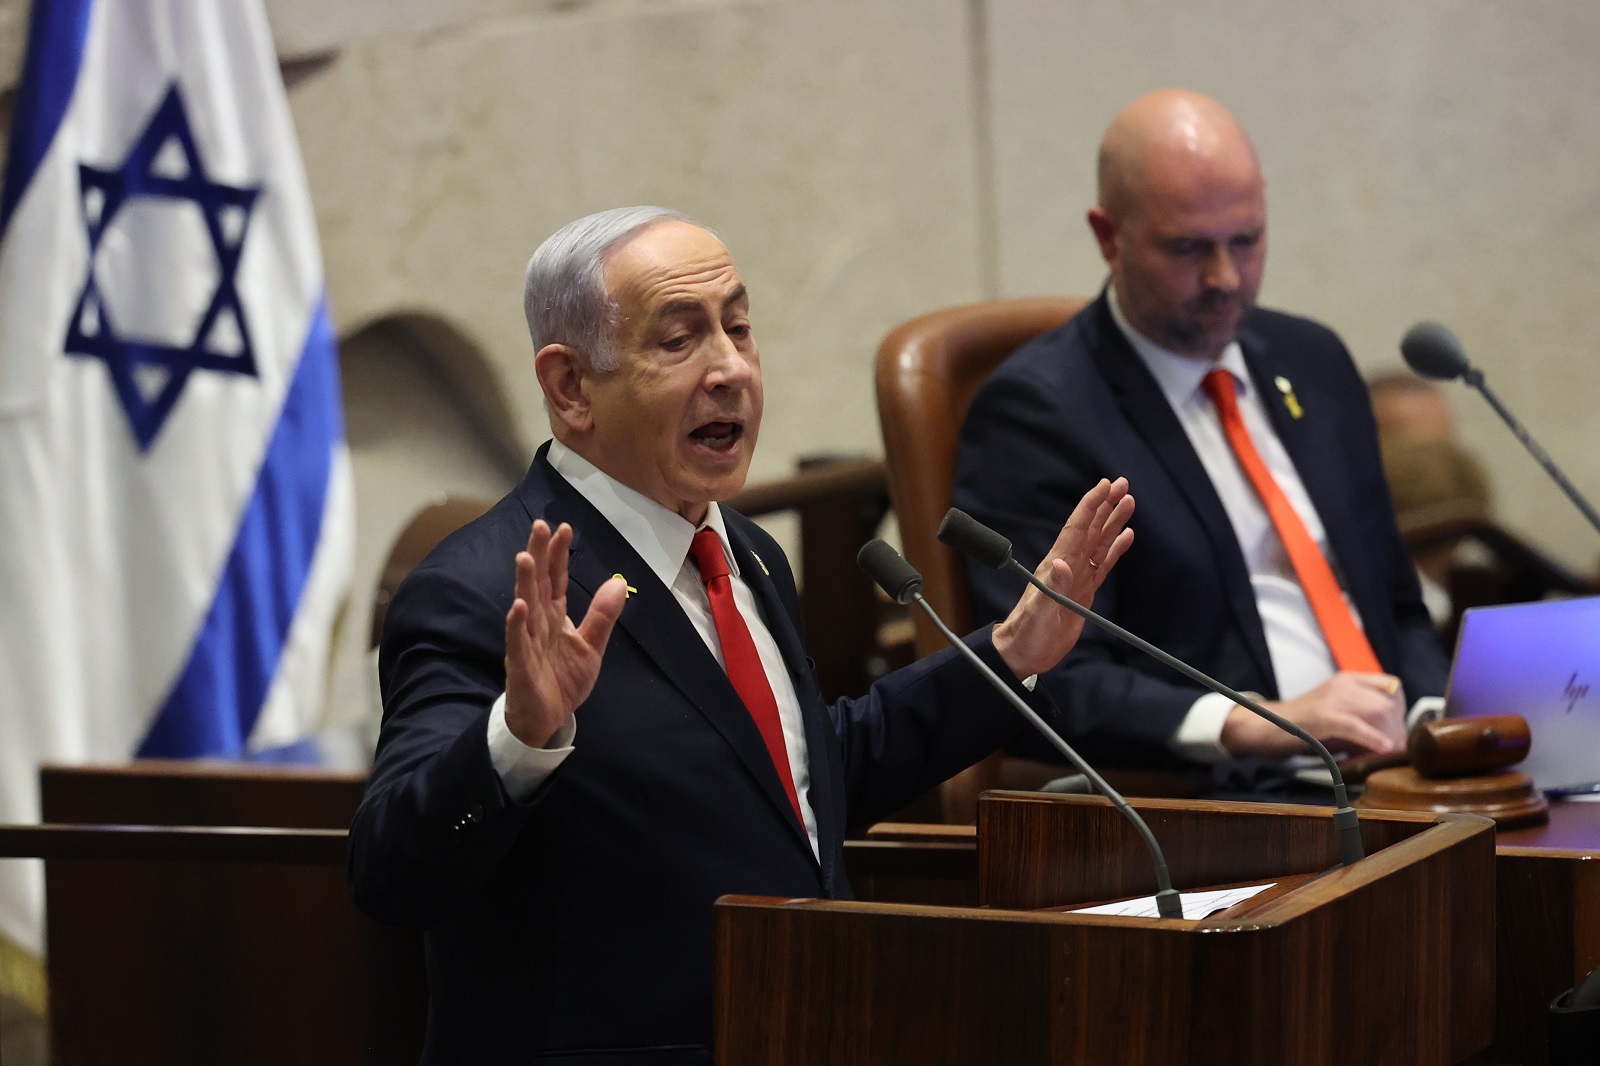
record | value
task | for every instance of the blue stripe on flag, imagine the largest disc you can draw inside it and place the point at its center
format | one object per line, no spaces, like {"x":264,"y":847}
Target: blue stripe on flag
{"x":56,"y":32}
{"x":215,"y":702}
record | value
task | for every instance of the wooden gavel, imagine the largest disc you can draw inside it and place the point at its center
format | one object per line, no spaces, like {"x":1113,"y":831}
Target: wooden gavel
{"x":1462,"y":747}
{"x":1459,"y":765}
{"x":1452,"y":747}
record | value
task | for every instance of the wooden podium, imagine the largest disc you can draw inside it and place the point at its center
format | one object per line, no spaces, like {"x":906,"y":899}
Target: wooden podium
{"x":1388,"y":961}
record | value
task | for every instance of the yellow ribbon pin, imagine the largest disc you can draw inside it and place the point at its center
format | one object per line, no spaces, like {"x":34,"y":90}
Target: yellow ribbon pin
{"x":761,"y":564}
{"x":1289,"y":399}
{"x":630,"y":588}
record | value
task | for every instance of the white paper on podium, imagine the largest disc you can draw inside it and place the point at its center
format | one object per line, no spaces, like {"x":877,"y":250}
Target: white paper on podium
{"x":1195,"y":904}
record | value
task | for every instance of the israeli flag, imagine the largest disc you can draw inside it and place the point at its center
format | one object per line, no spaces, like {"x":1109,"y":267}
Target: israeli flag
{"x":176,"y":531}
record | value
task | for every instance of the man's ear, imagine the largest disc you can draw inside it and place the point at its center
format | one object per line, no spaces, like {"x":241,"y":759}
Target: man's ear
{"x":561,"y":372}
{"x":1105,"y":232}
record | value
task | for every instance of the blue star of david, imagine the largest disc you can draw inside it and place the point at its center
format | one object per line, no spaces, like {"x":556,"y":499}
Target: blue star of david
{"x":93,"y":333}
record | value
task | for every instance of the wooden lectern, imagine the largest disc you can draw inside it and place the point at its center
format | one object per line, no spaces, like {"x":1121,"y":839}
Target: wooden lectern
{"x":1387,"y":961}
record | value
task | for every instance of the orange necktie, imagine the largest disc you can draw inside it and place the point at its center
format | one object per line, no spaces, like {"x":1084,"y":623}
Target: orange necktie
{"x":1339,"y":627}
{"x":739,"y":655}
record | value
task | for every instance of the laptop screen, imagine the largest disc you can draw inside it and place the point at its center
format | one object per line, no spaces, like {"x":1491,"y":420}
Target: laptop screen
{"x":1542,"y":661}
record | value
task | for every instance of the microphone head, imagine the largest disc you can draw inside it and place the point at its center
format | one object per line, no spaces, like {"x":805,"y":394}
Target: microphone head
{"x":1434,"y":352}
{"x":889,"y":571}
{"x":971,"y":537}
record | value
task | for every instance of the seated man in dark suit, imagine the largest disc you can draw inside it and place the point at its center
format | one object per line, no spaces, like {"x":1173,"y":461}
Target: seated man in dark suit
{"x":1268,"y":555}
{"x":598,"y":715}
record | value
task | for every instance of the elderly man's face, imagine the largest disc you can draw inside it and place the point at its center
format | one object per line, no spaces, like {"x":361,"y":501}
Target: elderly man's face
{"x":1186,"y":255}
{"x":678,"y":419}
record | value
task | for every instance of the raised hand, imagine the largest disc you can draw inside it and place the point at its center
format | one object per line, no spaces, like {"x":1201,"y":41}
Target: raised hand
{"x":1038,"y":633}
{"x":551,"y":664}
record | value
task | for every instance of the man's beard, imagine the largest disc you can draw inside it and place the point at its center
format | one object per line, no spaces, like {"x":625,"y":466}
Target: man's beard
{"x":1198,"y":330}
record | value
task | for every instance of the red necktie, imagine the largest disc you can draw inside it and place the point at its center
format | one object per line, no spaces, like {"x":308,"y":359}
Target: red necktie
{"x":749,"y":677}
{"x":1345,"y":639}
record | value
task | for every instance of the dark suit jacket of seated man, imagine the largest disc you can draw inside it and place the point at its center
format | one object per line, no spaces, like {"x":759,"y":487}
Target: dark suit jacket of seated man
{"x":1181,"y":223}
{"x":558,"y":805}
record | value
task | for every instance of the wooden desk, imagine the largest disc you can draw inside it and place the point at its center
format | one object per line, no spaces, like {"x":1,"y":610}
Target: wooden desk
{"x":219,"y":928}
{"x":1547,"y":888}
{"x":1547,"y":926}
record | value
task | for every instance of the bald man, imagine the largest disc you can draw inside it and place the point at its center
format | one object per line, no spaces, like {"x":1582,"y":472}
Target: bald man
{"x":1268,"y":555}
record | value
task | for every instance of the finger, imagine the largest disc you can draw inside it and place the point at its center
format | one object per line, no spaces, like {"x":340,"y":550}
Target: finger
{"x":1118,"y":549}
{"x":538,"y":536}
{"x":604,"y":610}
{"x":535,"y":622}
{"x":1061,"y":576}
{"x":1121,"y":515}
{"x":539,"y":602}
{"x":1388,"y":684}
{"x":1368,"y":737}
{"x":538,"y":529}
{"x":1082,"y":516}
{"x":518,"y":646}
{"x":1105,"y":535}
{"x":1079,"y":525}
{"x":560,"y":545}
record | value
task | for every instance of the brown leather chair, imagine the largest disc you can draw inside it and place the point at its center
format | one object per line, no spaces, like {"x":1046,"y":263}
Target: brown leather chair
{"x":436,"y":520}
{"x":927,"y":371}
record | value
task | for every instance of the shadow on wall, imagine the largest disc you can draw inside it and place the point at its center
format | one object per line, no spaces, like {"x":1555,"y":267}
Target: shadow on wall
{"x":425,"y":418}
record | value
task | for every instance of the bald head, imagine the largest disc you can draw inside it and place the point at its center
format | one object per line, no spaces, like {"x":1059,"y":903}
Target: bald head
{"x":1182,"y":220}
{"x":1171,"y":135}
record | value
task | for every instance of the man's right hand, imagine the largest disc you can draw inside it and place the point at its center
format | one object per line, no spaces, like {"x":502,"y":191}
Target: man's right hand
{"x":1347,"y":712}
{"x":551,"y":664}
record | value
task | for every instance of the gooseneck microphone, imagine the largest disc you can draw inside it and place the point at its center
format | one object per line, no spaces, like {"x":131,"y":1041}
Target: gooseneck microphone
{"x":889,"y":570}
{"x":966,"y":534}
{"x":1434,"y":352}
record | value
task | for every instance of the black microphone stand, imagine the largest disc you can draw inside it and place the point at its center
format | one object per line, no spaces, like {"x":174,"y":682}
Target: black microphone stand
{"x":1474,"y":377}
{"x":966,"y":534}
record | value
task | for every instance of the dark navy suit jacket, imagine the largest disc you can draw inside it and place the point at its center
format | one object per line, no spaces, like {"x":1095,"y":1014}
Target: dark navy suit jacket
{"x":1078,"y":404}
{"x":577,"y":927}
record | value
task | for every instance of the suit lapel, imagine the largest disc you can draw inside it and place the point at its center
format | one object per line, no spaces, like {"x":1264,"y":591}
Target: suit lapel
{"x":655,"y":621}
{"x":1146,"y":409}
{"x":818,"y":725}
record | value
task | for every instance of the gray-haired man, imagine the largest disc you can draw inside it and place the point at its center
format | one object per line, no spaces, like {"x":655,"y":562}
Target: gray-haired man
{"x":560,"y":825}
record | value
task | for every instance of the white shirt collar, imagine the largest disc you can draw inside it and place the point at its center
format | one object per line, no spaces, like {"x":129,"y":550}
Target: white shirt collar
{"x":660,"y":536}
{"x":1179,"y":376}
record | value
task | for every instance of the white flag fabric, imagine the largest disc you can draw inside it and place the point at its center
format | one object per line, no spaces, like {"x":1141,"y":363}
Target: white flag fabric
{"x":175,"y":505}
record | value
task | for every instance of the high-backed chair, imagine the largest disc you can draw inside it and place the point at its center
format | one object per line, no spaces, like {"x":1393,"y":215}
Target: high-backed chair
{"x":927,"y":372}
{"x":436,"y":520}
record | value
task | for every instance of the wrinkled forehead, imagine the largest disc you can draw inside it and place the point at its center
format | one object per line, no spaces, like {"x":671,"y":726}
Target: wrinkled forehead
{"x":670,"y":263}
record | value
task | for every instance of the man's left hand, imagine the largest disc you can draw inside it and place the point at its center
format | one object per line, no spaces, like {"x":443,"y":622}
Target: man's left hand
{"x":1038,"y":633}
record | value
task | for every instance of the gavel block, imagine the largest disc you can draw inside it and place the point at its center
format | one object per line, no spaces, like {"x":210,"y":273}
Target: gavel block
{"x":1458,"y":766}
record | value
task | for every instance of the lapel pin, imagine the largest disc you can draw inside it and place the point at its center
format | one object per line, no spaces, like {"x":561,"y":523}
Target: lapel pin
{"x":761,"y":564}
{"x":1289,"y":399}
{"x":630,"y":588}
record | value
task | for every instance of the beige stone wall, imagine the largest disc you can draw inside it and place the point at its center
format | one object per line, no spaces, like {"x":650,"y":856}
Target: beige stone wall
{"x":870,"y":159}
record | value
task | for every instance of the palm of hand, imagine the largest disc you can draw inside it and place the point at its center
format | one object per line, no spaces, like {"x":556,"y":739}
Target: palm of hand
{"x":552,"y":664}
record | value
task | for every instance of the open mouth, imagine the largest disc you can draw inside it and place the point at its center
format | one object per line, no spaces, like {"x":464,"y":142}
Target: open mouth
{"x":718,"y":436}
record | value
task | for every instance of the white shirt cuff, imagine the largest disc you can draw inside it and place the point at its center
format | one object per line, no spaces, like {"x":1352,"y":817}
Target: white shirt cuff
{"x":1426,"y":709}
{"x":1200,"y":735}
{"x":523,"y":769}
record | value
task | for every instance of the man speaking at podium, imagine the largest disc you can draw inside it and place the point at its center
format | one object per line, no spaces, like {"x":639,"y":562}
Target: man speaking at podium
{"x":1268,"y":554}
{"x":598,"y":716}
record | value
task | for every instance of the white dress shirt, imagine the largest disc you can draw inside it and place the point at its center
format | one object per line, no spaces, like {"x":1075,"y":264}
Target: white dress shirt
{"x":1300,"y":657}
{"x":661,"y":538}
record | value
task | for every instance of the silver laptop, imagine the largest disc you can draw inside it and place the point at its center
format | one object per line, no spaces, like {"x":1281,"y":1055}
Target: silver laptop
{"x":1542,"y":661}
